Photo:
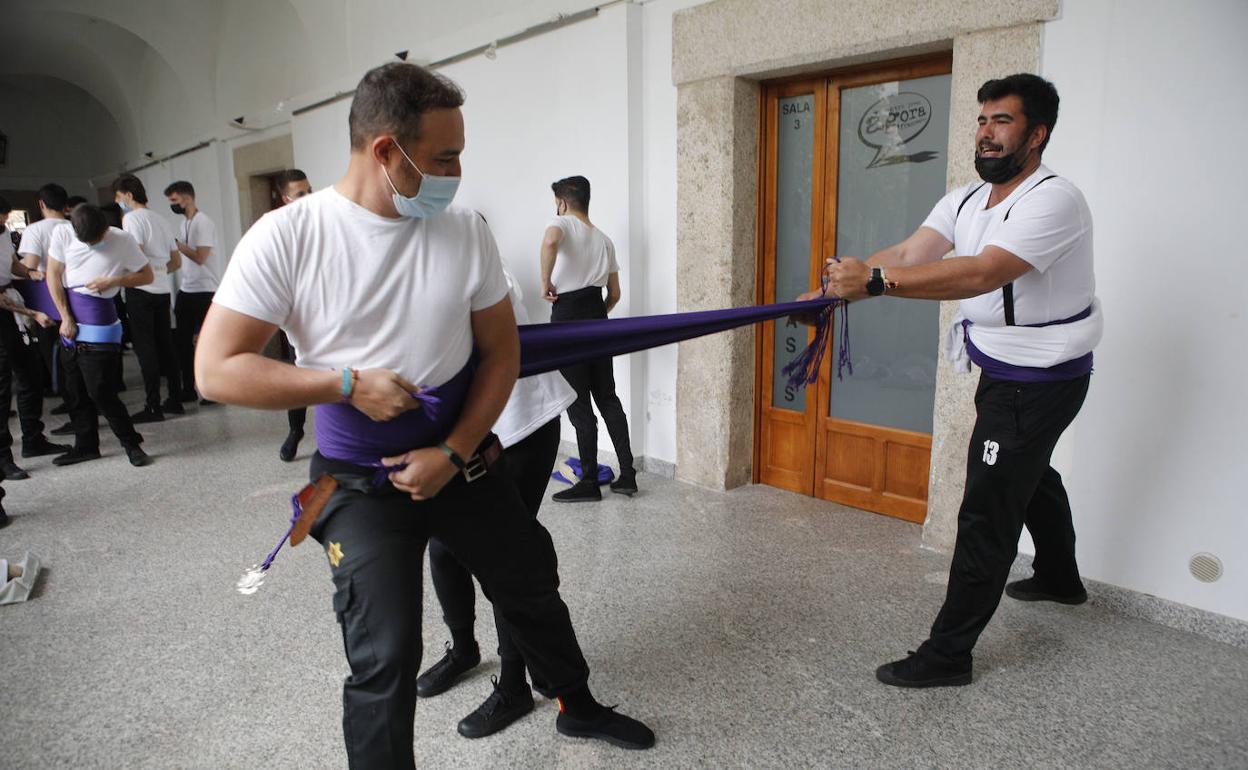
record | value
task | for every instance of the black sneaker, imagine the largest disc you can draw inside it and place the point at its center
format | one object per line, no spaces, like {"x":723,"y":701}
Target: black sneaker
{"x":499,"y":710}
{"x":60,"y":409}
{"x":76,"y":455}
{"x":1030,"y":590}
{"x":65,"y":430}
{"x":10,"y":471}
{"x":290,"y":447}
{"x":920,"y":671}
{"x":138,"y":458}
{"x":616,"y":729}
{"x":41,"y":446}
{"x":172,"y":406}
{"x":581,"y":492}
{"x":4,"y":522}
{"x":626,"y":484}
{"x":147,"y":414}
{"x":441,"y":676}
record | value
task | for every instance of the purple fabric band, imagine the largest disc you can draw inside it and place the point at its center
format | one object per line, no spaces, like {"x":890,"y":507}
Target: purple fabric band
{"x":89,"y":309}
{"x":345,"y":433}
{"x":1000,"y":370}
{"x":35,"y":295}
{"x":546,"y":347}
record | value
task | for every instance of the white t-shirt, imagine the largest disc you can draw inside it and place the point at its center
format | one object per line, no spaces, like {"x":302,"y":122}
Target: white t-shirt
{"x":198,"y":231}
{"x":152,"y":233}
{"x":36,"y":237}
{"x":6,"y":258}
{"x":352,"y":288}
{"x":117,"y":253}
{"x":586,"y":256}
{"x":1049,"y":227}
{"x":534,"y":400}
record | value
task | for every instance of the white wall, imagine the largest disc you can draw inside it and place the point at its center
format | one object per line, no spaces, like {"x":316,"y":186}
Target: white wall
{"x":56,"y":133}
{"x":554,"y":106}
{"x":1150,"y":128}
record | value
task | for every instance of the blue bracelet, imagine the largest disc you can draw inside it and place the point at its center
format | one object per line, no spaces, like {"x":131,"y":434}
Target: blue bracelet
{"x":348,"y":383}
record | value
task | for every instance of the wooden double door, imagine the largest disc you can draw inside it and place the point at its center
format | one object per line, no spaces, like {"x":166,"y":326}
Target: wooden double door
{"x":850,"y":163}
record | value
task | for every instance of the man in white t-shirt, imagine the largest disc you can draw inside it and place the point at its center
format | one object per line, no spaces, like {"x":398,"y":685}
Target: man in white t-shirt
{"x":33,"y":251}
{"x":87,"y":266}
{"x":293,"y":184}
{"x":384,"y":290}
{"x":148,"y":306}
{"x":578,"y":260}
{"x":529,"y":430}
{"x":19,"y":365}
{"x":1029,"y":319}
{"x":201,"y":275}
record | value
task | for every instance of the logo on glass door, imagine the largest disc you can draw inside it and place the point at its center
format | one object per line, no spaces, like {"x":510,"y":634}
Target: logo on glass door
{"x":890,"y":123}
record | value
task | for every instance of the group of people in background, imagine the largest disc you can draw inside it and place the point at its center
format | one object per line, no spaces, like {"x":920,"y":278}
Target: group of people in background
{"x":66,"y":320}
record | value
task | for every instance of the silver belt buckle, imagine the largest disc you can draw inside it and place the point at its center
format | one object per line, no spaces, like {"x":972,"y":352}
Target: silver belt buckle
{"x":475,"y":468}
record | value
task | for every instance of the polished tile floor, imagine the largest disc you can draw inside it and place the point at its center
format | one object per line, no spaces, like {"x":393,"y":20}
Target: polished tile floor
{"x":743,"y":627}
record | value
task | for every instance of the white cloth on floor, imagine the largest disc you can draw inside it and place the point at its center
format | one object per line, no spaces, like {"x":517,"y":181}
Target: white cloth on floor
{"x":18,"y":589}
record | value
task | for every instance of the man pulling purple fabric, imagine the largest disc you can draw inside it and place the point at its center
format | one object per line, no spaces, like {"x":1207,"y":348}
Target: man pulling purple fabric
{"x":382,"y":288}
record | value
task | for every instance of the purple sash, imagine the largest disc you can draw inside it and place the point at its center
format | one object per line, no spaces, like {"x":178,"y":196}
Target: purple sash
{"x":1000,"y":370}
{"x":35,"y":295}
{"x":345,"y":433}
{"x":90,"y":309}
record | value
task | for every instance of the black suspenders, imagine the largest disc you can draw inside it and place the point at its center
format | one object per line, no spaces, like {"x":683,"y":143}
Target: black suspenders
{"x":1007,"y":291}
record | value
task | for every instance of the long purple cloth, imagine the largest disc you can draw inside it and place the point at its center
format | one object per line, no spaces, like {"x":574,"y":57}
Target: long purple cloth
{"x":546,"y":347}
{"x":344,"y":433}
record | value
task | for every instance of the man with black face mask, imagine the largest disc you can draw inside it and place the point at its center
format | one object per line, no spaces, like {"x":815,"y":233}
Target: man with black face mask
{"x":1029,"y":319}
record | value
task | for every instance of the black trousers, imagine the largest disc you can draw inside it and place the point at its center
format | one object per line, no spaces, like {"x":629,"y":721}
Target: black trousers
{"x":529,"y":464}
{"x":46,"y":343}
{"x":152,"y":336}
{"x":1009,"y":484}
{"x":295,"y":417}
{"x":91,"y":388}
{"x":21,"y":370}
{"x":594,"y":379}
{"x":374,"y":539}
{"x":189,"y":310}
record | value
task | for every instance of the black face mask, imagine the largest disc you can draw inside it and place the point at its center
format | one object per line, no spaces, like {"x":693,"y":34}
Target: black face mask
{"x":1003,"y":168}
{"x":177,"y":209}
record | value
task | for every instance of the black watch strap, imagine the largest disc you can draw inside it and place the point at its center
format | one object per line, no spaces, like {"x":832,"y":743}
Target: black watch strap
{"x":456,"y":460}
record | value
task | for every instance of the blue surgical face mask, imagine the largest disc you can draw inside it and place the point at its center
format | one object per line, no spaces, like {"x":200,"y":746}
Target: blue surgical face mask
{"x":436,"y":193}
{"x":124,"y":208}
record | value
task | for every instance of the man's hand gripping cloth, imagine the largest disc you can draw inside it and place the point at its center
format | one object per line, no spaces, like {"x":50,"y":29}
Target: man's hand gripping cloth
{"x":345,"y":433}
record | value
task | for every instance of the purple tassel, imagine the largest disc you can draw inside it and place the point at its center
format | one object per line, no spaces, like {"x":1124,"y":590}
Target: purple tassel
{"x":296,"y":509}
{"x":804,"y":369}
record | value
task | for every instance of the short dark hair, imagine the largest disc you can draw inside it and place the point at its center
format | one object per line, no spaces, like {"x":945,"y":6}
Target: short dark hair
{"x":89,"y":223}
{"x":5,"y":208}
{"x":112,"y":212}
{"x":53,"y":196}
{"x":1038,"y":95}
{"x":130,"y":183}
{"x":390,"y":99}
{"x":574,"y":191}
{"x":74,"y":201}
{"x":181,"y":187}
{"x":289,"y":177}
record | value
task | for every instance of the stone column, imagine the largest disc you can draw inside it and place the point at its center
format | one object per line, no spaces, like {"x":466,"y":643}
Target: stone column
{"x":716,"y":199}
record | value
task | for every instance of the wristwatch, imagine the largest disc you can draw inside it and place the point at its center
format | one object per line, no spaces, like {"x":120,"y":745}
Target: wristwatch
{"x":876,"y":285}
